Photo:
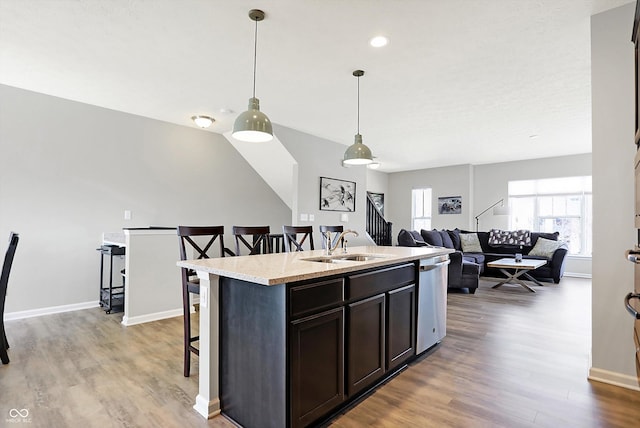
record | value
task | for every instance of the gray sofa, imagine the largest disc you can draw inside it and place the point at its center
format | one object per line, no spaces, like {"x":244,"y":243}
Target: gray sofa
{"x":552,"y":271}
{"x":466,"y":267}
{"x":462,"y":272}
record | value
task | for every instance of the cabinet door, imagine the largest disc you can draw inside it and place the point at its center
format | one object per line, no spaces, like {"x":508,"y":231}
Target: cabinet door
{"x":317,"y":365}
{"x":401,"y":335}
{"x":365,"y":343}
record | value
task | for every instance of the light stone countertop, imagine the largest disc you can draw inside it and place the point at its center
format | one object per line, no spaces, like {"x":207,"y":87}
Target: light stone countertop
{"x":278,"y":268}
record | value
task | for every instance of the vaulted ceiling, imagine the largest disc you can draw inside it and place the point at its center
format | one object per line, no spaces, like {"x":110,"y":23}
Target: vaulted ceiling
{"x":461,"y":81}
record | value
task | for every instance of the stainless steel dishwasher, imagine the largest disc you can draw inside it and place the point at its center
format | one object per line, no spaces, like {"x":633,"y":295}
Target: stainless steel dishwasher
{"x":432,"y":302}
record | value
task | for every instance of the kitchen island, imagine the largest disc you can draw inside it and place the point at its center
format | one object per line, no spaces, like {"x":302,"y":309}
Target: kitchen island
{"x":288,"y":339}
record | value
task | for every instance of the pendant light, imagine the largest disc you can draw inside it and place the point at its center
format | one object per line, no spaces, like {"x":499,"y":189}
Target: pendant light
{"x":358,"y":153}
{"x":253,"y":125}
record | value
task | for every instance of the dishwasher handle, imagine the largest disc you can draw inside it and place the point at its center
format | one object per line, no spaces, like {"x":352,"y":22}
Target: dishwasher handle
{"x":630,"y":308}
{"x":426,"y":268}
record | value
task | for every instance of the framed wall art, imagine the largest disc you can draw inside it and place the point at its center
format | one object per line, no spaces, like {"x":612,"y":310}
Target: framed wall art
{"x":378,"y":201}
{"x":450,"y":205}
{"x":337,"y":195}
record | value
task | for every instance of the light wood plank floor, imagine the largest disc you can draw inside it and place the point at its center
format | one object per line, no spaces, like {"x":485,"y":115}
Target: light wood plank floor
{"x":510,"y":359}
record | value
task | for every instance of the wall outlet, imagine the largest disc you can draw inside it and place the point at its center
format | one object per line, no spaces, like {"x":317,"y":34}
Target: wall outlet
{"x":127,"y":214}
{"x":344,"y":218}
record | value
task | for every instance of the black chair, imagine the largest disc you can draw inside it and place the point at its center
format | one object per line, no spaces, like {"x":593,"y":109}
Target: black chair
{"x":276,"y":240}
{"x":291,"y":241}
{"x":199,"y":241}
{"x":4,"y":280}
{"x":334,"y":230}
{"x":259,"y":237}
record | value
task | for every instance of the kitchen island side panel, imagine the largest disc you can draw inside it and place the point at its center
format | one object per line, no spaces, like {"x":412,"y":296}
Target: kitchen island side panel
{"x":253,"y":353}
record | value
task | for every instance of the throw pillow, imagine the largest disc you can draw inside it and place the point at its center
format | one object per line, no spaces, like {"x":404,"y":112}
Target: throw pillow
{"x":499,"y":237}
{"x":432,"y":237}
{"x":470,"y":243}
{"x":446,"y":239}
{"x":545,"y":248}
{"x":410,"y":238}
{"x":455,"y":238}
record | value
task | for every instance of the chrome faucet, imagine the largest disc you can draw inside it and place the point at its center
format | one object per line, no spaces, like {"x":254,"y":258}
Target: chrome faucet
{"x":339,"y":240}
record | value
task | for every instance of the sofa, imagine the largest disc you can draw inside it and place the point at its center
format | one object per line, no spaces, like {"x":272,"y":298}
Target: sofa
{"x":497,"y":244}
{"x":475,"y":249}
{"x":462,"y":272}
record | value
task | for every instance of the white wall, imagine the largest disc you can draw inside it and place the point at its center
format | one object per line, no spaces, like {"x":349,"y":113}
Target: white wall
{"x":612,"y":70}
{"x":69,"y":170}
{"x":447,"y":181}
{"x":480,"y":187}
{"x":317,"y":157}
{"x":491,"y":181}
{"x":378,"y":182}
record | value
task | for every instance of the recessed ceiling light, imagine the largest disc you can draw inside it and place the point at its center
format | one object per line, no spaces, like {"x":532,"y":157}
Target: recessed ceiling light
{"x":203,"y":121}
{"x":379,"y":41}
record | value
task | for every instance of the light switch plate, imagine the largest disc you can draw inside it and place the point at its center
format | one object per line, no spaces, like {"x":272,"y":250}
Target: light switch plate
{"x":344,"y":218}
{"x":127,"y":214}
{"x":312,"y":217}
{"x":303,"y":217}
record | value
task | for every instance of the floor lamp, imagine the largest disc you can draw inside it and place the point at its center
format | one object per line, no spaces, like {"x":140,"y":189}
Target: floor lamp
{"x":501,"y":210}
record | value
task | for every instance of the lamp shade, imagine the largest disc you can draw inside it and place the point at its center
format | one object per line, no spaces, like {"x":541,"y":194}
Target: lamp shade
{"x":501,"y":210}
{"x":253,"y":125}
{"x":358,"y":153}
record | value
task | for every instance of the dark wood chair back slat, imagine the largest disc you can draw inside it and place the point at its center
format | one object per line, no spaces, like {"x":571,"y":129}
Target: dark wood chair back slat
{"x":335,"y":232}
{"x":4,"y":282}
{"x":255,"y":239}
{"x":291,"y":240}
{"x":198,"y":242}
{"x":277,"y":242}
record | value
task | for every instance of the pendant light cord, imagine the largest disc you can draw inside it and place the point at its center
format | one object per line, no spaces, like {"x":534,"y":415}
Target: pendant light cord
{"x":358,"y":116}
{"x":255,"y":56}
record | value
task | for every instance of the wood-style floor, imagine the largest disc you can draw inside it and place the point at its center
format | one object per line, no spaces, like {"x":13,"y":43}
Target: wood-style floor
{"x":511,"y":358}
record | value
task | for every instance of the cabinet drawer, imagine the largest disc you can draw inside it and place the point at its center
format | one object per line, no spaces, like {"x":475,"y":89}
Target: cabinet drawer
{"x":309,"y":298}
{"x":379,"y":281}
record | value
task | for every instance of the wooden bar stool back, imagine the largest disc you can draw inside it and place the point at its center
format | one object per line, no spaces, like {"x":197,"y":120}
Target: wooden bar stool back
{"x":291,"y":240}
{"x":4,"y":281}
{"x":196,"y":242}
{"x":255,"y":239}
{"x":335,"y":232}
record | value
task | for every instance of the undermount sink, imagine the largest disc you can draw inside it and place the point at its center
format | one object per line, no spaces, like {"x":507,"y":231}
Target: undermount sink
{"x":341,"y":258}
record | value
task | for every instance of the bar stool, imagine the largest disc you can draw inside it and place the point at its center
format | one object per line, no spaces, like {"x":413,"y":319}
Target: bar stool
{"x":259,"y":237}
{"x":4,"y":281}
{"x":291,"y":242}
{"x":198,"y":240}
{"x":276,"y":241}
{"x":331,"y":229}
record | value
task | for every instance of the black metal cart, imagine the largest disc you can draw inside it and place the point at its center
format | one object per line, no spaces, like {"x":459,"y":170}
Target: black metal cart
{"x":111,"y":296}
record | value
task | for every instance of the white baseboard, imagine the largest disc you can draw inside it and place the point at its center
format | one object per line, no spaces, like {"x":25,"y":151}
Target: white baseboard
{"x":127,"y":321}
{"x":9,"y":316}
{"x":578,"y":275}
{"x":613,"y":378}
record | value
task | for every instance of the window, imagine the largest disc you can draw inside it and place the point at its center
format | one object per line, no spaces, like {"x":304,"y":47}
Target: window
{"x":561,"y":205}
{"x":421,"y":209}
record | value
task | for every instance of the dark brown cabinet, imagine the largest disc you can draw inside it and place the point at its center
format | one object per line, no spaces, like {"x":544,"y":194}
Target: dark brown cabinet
{"x":366,"y":342}
{"x":292,"y":354}
{"x":401,"y":325}
{"x":317,"y":365}
{"x":380,"y":326}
